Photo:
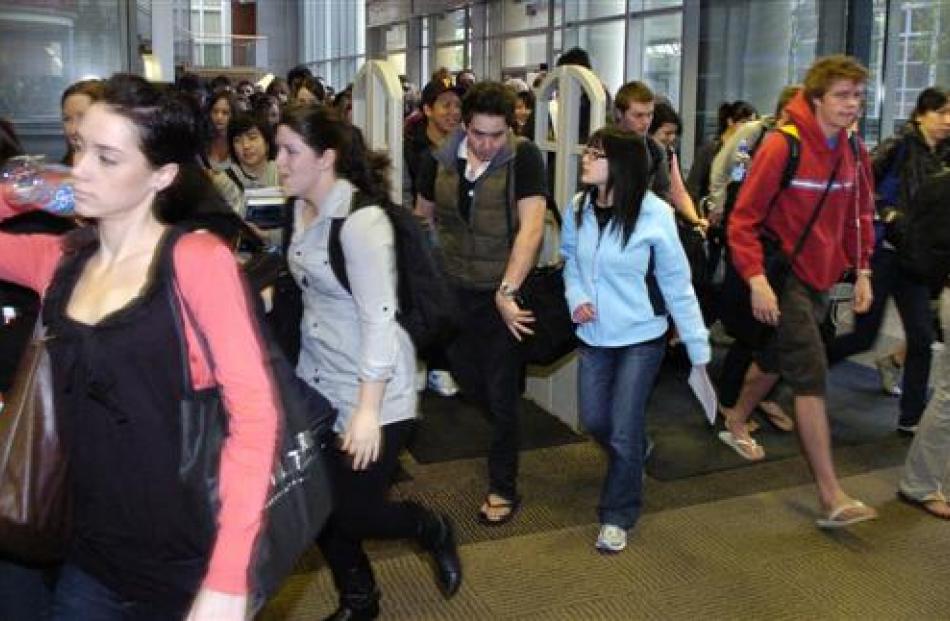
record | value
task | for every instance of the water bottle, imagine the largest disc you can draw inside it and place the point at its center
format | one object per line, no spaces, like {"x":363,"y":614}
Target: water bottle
{"x":28,"y":182}
{"x":742,"y":161}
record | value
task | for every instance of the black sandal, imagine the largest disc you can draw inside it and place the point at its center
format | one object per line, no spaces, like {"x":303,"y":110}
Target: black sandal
{"x":512,"y":505}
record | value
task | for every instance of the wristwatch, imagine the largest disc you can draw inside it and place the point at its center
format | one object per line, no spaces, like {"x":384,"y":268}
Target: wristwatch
{"x":867,"y":273}
{"x":507,"y":290}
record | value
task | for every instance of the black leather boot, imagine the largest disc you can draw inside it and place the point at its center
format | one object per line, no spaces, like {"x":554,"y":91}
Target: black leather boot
{"x":359,"y":597}
{"x":437,"y":537}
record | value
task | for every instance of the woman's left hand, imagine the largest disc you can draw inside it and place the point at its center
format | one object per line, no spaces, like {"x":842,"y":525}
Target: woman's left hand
{"x":362,"y":438}
{"x":217,"y":606}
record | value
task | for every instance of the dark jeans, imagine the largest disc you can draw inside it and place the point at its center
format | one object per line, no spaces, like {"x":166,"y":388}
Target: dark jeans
{"x":614,"y":384}
{"x":80,"y":597}
{"x":361,"y":510}
{"x":732,"y":375}
{"x":913,"y":306}
{"x":487,"y":363}
{"x":26,"y":593}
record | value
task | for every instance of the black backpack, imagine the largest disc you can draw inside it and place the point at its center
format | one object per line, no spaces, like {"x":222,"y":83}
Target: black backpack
{"x":426,"y":304}
{"x":925,"y":252}
{"x":791,"y":165}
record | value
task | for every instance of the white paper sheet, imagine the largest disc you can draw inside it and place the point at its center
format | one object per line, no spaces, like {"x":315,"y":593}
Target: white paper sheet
{"x":703,"y":388}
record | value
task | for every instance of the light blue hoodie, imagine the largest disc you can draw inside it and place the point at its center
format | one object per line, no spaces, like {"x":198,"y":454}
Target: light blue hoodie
{"x":613,"y":278}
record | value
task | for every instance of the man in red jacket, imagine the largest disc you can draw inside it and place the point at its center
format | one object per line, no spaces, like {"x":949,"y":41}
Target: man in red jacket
{"x":841,"y":237}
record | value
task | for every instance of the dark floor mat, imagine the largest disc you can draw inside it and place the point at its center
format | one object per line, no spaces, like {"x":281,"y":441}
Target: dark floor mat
{"x":451,"y":429}
{"x":687,"y":446}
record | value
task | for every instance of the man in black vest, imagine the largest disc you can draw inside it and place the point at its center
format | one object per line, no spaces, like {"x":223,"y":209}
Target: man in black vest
{"x":483,"y":191}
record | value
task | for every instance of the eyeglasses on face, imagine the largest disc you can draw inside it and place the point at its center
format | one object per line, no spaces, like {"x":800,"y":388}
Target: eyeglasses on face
{"x":593,"y":153}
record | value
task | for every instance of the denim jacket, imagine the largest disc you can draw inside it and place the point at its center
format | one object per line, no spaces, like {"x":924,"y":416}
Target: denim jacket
{"x":613,"y":277}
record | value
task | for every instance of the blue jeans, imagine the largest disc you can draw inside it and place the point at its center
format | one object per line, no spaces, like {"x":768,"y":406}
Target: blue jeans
{"x":913,"y":306}
{"x":25,"y":592}
{"x":80,"y":597}
{"x":614,"y":384}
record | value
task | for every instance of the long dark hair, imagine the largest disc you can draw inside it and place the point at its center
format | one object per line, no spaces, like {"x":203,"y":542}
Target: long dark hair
{"x":168,"y":134}
{"x":322,"y":128}
{"x":628,"y":166}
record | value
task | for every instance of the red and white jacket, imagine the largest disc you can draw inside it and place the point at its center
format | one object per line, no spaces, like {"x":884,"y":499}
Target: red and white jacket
{"x":843,"y":234}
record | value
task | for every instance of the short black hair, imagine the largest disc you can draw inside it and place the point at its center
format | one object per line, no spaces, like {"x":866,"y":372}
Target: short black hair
{"x":574,"y":56}
{"x":491,"y":98}
{"x":663,"y":112}
{"x":930,"y":99}
{"x":244,"y":122}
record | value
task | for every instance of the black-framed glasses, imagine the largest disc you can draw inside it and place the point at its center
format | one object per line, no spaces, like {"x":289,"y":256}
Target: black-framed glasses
{"x":593,"y":153}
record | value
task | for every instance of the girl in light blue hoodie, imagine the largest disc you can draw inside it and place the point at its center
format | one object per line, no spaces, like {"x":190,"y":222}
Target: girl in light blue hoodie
{"x":625,"y":275}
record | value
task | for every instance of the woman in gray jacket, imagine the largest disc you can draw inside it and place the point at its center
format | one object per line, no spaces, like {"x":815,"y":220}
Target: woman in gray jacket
{"x":352,"y":348}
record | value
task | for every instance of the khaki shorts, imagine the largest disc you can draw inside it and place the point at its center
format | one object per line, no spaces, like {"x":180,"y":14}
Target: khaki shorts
{"x":796,"y":350}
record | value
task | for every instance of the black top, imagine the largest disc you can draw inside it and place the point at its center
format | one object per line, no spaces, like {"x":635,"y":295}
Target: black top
{"x":118,"y":387}
{"x":529,"y":177}
{"x":604,"y":215}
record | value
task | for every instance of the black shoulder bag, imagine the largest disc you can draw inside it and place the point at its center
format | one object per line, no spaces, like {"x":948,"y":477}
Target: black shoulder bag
{"x":736,"y":300}
{"x":543,"y":293}
{"x":300,"y":497}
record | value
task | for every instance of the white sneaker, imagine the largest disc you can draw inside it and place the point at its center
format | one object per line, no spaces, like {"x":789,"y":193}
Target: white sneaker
{"x":612,"y":539}
{"x":441,"y":383}
{"x":890,"y":375}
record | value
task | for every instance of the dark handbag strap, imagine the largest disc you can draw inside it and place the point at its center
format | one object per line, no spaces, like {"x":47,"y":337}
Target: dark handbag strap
{"x":549,"y":203}
{"x":814,"y":214}
{"x":800,"y":242}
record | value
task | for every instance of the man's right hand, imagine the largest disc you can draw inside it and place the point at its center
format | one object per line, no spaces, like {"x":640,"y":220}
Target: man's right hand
{"x":764,"y":301}
{"x":517,"y":320}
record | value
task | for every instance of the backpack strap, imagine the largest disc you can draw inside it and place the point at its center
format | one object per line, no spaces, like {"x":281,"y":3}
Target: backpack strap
{"x":335,"y":246}
{"x":233,"y":175}
{"x":792,"y":138}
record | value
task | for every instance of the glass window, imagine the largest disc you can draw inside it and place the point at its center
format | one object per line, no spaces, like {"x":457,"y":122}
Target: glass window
{"x":874,"y":97}
{"x":212,"y":24}
{"x":43,"y":50}
{"x":604,"y":44}
{"x":396,"y":37}
{"x":520,"y":15}
{"x":213,"y":55}
{"x":452,"y":57}
{"x":646,"y":5}
{"x":579,"y":10}
{"x":661,"y":55}
{"x":525,"y":51}
{"x":450,"y":26}
{"x":769,"y":45}
{"x":923,"y":54}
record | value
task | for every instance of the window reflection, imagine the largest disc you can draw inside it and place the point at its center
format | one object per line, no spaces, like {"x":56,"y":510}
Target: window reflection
{"x":46,"y":46}
{"x":750,"y":50}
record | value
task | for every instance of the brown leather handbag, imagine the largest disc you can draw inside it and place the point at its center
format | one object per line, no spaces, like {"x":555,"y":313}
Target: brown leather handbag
{"x":33,"y":499}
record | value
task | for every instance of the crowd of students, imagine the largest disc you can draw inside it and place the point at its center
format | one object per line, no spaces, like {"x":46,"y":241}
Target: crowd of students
{"x":641,"y":246}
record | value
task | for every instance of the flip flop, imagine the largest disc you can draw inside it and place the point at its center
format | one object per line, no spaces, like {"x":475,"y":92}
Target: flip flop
{"x":744,"y":448}
{"x":836,"y":517}
{"x":776,"y":416}
{"x":512,"y":505}
{"x":924,"y":505}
